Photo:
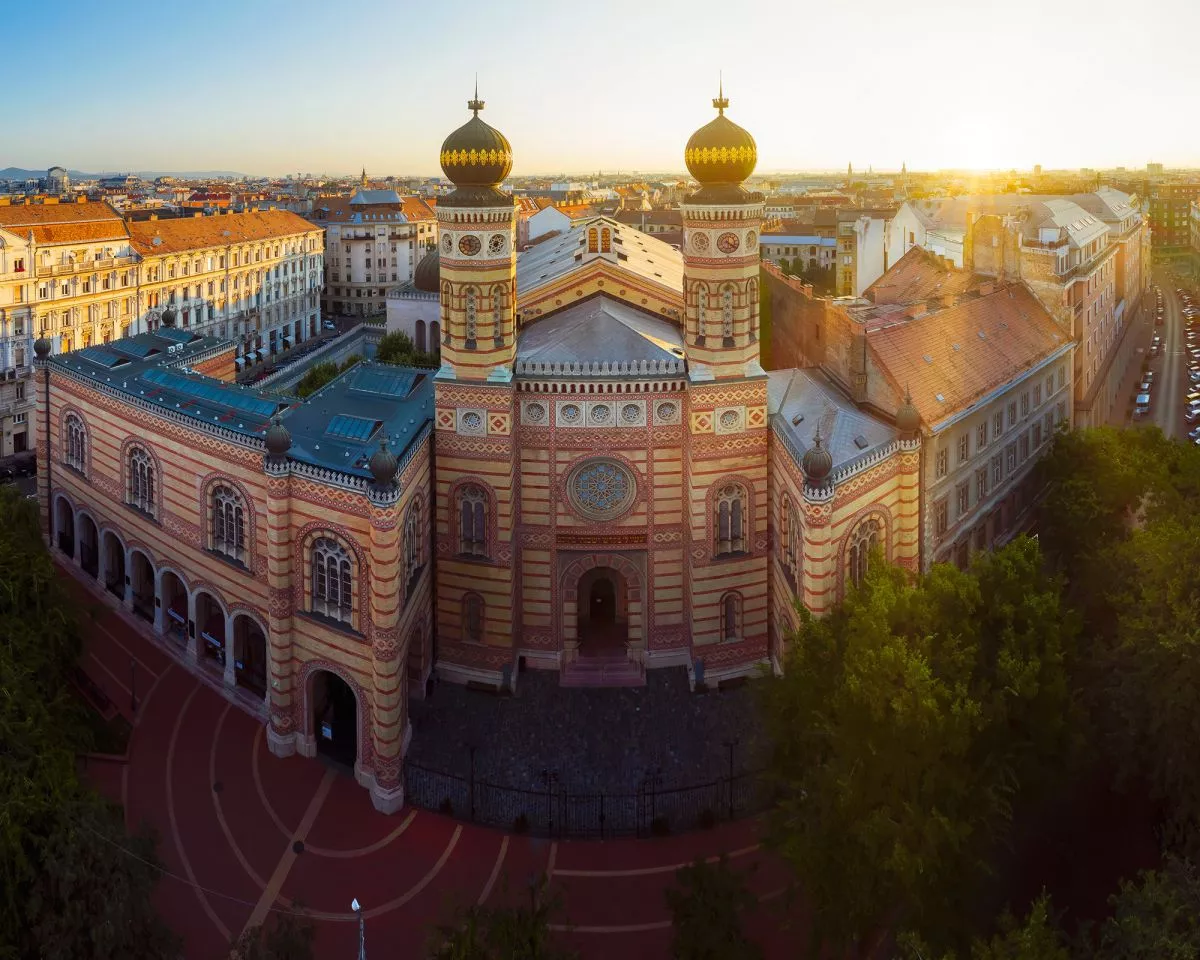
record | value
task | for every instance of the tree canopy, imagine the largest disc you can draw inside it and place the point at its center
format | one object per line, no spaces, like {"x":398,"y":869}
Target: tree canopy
{"x":707,"y":905}
{"x":398,"y":348}
{"x":322,"y":373}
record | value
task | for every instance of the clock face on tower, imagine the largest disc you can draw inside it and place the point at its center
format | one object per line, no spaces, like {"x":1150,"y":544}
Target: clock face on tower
{"x":469,"y":245}
{"x":727,"y":242}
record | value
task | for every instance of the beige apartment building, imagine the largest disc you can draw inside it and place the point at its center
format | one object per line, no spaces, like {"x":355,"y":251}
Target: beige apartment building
{"x":80,"y":275}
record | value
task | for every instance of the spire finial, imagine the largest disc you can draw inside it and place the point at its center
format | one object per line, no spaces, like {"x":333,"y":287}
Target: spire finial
{"x":475,"y":103}
{"x":817,"y":436}
{"x":721,"y":102}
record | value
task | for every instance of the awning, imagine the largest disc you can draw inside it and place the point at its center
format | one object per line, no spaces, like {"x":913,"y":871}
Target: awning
{"x":256,"y":356}
{"x":240,"y":361}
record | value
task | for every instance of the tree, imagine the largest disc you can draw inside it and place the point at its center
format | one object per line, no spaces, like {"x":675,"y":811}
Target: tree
{"x":320,"y":374}
{"x":707,"y":904}
{"x":898,"y":732}
{"x":502,"y":933}
{"x":398,"y":348}
{"x":1036,"y":938}
{"x":1156,"y":917}
{"x":288,"y":936}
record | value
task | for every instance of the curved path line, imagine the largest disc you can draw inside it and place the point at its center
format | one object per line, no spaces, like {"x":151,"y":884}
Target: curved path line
{"x":649,"y":871}
{"x":137,"y":719}
{"x":315,"y":850}
{"x":487,"y":890}
{"x":398,"y":901}
{"x":642,"y":927}
{"x":187,"y":866}
{"x":212,"y":778}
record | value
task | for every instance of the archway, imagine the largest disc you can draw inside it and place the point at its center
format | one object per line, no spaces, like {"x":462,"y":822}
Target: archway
{"x":420,"y":336}
{"x":249,"y":654}
{"x":174,"y":606}
{"x":603,"y":612}
{"x":141,"y":577}
{"x":89,"y":545}
{"x":64,"y":523}
{"x":210,"y":628}
{"x":114,"y":564}
{"x":334,"y":717}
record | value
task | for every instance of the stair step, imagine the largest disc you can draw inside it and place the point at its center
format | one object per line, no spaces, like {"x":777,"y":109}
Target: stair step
{"x":606,"y":671}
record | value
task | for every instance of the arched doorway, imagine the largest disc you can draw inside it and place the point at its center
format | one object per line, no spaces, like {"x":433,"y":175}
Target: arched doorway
{"x":89,"y":545}
{"x":114,"y":564}
{"x":334,"y":717}
{"x":174,"y":606}
{"x":210,"y":629}
{"x":603,"y":612}
{"x":64,"y":523}
{"x":141,"y":573}
{"x":249,"y":655}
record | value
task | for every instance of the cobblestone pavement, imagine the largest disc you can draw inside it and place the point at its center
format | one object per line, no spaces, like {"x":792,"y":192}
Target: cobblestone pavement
{"x":595,"y":740}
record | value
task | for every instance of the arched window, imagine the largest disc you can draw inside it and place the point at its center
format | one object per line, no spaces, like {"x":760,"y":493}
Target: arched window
{"x":447,"y":296}
{"x":701,"y":312}
{"x":865,"y":537}
{"x":332,"y":580}
{"x":139,"y":484}
{"x":228,"y":523}
{"x":730,"y":520}
{"x":473,"y":618}
{"x":592,"y":240}
{"x":789,"y":538}
{"x":498,"y":314}
{"x":76,"y":443}
{"x":727,"y":312}
{"x":414,"y":546}
{"x":752,"y":291}
{"x":419,"y":330}
{"x":731,"y":617}
{"x":605,"y":240}
{"x":472,"y":303}
{"x":472,"y":524}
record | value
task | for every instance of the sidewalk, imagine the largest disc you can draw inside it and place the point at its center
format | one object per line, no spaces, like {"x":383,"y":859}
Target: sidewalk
{"x":1142,"y":333}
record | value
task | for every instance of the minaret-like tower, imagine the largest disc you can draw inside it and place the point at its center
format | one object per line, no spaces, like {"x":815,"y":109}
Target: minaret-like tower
{"x":477,"y":227}
{"x":721,"y":224}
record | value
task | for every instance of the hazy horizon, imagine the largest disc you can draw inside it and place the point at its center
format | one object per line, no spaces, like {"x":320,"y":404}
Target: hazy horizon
{"x":273,"y":88}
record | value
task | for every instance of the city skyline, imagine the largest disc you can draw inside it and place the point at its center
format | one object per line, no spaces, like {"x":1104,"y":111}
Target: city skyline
{"x":281,"y":92}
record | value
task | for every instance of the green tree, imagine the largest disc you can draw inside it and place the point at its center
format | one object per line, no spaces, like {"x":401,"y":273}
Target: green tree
{"x":1156,"y":917}
{"x":1037,"y":937}
{"x":707,"y":904}
{"x":899,"y":730}
{"x":398,"y":348}
{"x":286,"y":936}
{"x":320,"y":374}
{"x":521,"y":932}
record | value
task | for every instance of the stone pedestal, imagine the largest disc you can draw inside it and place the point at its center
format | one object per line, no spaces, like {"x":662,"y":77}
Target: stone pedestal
{"x":280,"y":744}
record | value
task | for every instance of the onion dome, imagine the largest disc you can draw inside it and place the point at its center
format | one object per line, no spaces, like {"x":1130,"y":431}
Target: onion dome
{"x":42,"y":348}
{"x":168,"y":317}
{"x":817,"y":462}
{"x":428,"y":274}
{"x":476,"y":158}
{"x":383,"y":464}
{"x":279,"y":441}
{"x":721,"y":153}
{"x":908,"y":420}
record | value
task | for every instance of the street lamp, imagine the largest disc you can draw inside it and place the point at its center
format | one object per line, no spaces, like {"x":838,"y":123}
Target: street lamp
{"x":362,"y":934}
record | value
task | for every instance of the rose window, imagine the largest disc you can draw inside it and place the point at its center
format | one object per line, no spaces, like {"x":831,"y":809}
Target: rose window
{"x":700,"y":242}
{"x":570,"y":413}
{"x":666,"y":411}
{"x":448,"y":243}
{"x":601,"y":489}
{"x":535,"y":413}
{"x":601,"y":414}
{"x":472,"y":421}
{"x":469,"y":245}
{"x":496,"y":243}
{"x":631,"y":413}
{"x":730,"y":419}
{"x":751,"y":240}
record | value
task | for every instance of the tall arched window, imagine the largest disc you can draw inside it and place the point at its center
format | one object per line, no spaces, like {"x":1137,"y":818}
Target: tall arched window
{"x":414,"y":546}
{"x":864,"y":538}
{"x":228,"y":523}
{"x":139,"y":485}
{"x":498,"y":314}
{"x":332,"y":580}
{"x":701,"y":312}
{"x":731,"y":617}
{"x":447,"y":296}
{"x":472,"y":305}
{"x":592,"y":240}
{"x":605,"y":240}
{"x":472,"y":523}
{"x":76,"y":442}
{"x":789,"y":538}
{"x":727,"y":312}
{"x":473,"y":618}
{"x":730,"y":520}
{"x":752,"y":291}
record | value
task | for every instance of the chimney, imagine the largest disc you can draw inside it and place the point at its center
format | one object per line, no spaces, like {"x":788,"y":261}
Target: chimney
{"x":949,"y":300}
{"x":915,"y":310}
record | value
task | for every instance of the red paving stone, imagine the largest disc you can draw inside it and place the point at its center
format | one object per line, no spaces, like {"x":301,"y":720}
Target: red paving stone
{"x":187,"y":737}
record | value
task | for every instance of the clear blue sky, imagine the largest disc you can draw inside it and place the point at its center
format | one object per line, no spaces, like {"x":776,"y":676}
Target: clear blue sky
{"x":279,"y":86}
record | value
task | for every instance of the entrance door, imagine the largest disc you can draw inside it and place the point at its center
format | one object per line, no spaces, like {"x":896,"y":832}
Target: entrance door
{"x":335,"y":718}
{"x":602,"y":614}
{"x":603,"y":606}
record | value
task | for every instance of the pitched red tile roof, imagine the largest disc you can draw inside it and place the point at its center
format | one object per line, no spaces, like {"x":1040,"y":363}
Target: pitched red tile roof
{"x":63,"y":222}
{"x":920,"y":275}
{"x":193,"y":233}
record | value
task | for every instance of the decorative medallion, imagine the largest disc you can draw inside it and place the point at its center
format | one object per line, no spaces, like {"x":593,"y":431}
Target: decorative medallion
{"x":471,"y":421}
{"x":700,"y":242}
{"x":601,"y":414}
{"x":730,"y":419}
{"x":751,"y":240}
{"x":447,"y":243}
{"x":469,"y":245}
{"x":631,"y":413}
{"x":667,"y":412}
{"x":535,"y":413}
{"x":726,"y":242}
{"x":496,"y":243}
{"x":570,"y":413}
{"x":601,"y":489}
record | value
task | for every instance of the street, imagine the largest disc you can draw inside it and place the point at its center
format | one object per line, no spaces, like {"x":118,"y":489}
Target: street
{"x":1170,"y":369}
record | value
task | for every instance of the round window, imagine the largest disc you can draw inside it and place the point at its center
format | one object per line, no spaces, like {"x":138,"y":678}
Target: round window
{"x":728,"y":242}
{"x":601,"y":414}
{"x":665,"y":411}
{"x":601,"y":489}
{"x":730,"y":419}
{"x":569,"y":413}
{"x":535,"y":413}
{"x":468,"y":245}
{"x":631,"y":413}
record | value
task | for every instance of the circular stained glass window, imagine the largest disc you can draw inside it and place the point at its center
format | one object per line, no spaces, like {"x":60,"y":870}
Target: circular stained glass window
{"x":448,"y":243}
{"x":631,"y":413}
{"x":730,"y":419}
{"x":601,"y":414}
{"x":472,"y":421}
{"x":666,"y":411}
{"x":601,"y":489}
{"x":751,"y":240}
{"x":496,"y":243}
{"x":469,"y":245}
{"x":569,"y":413}
{"x":700,"y":242}
{"x":535,"y":413}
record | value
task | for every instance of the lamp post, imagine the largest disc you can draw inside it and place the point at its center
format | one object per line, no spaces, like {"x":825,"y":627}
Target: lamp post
{"x":550,"y":779}
{"x":362,"y":933}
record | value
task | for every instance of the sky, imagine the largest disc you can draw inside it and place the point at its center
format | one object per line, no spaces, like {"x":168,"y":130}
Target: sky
{"x":270,"y":87}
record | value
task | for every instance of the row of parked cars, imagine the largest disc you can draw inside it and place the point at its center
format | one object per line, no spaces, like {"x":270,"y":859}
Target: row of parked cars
{"x":1191,"y":342}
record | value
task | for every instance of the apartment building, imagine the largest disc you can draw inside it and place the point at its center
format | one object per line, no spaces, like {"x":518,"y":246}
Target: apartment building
{"x":1170,"y":206}
{"x":373,"y":242}
{"x":861,"y":249}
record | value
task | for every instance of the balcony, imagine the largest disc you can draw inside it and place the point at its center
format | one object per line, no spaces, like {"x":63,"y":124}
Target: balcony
{"x":84,"y":266}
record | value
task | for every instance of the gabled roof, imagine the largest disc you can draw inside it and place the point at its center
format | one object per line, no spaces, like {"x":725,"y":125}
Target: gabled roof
{"x":920,"y":275}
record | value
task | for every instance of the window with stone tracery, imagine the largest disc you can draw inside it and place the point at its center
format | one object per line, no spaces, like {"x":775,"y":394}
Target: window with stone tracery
{"x":76,"y":443}
{"x":592,"y":240}
{"x":701,"y":312}
{"x":139,"y":485}
{"x":727,"y":312}
{"x":730,"y":509}
{"x":228,"y":523}
{"x":731,"y":617}
{"x":789,"y":538}
{"x":498,"y":314}
{"x":332,"y":580}
{"x":864,"y":538}
{"x":447,"y":295}
{"x":472,"y":297}
{"x":472,"y":521}
{"x":414,"y":546}
{"x":752,"y":290}
{"x":605,"y":240}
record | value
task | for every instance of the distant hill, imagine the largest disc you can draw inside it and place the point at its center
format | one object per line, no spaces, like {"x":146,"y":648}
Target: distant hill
{"x":20,"y":173}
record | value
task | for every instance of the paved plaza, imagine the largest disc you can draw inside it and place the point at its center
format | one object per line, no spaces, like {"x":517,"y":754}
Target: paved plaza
{"x":242,"y":832}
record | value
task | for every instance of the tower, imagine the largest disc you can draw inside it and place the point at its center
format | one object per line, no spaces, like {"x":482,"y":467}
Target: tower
{"x":721,"y":224}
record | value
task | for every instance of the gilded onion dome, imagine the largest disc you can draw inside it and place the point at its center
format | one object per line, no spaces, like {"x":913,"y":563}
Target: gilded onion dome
{"x":721,"y":153}
{"x":476,"y":158}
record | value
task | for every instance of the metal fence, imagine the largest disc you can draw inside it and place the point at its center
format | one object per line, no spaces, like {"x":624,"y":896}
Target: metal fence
{"x":555,"y":812}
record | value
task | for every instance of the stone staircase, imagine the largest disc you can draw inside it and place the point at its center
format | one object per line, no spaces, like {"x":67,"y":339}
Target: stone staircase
{"x":603,"y":670}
